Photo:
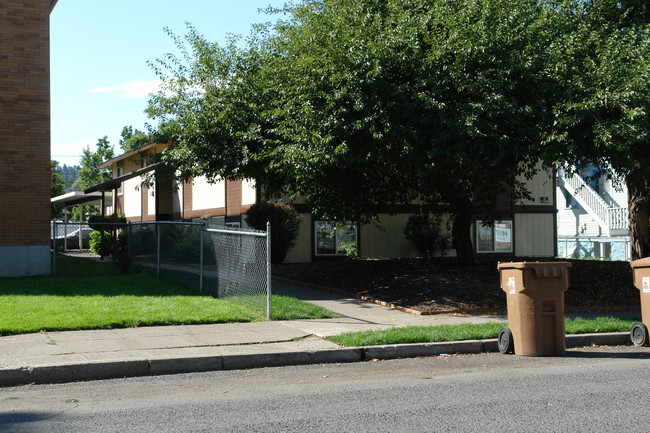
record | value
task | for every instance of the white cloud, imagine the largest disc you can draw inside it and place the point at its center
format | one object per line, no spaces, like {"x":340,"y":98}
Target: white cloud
{"x":133,"y":89}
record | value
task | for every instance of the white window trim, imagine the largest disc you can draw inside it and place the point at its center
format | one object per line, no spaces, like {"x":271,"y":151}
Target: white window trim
{"x":479,"y":224}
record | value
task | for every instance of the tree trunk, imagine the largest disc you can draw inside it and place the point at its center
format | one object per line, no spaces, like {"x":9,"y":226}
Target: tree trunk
{"x":638,"y":193}
{"x":461,"y":231}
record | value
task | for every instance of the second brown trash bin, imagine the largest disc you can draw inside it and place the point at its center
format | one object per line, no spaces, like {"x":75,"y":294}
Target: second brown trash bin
{"x":535,"y":299}
{"x":641,"y":275}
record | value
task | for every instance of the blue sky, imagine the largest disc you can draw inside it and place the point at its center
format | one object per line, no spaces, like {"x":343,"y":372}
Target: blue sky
{"x":99,"y":52}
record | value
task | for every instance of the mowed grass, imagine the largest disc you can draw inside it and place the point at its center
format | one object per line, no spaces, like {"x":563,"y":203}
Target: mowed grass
{"x":441,"y":333}
{"x":101,"y":298}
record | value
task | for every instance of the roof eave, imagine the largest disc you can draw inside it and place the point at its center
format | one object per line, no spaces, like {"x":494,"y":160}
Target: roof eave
{"x":127,"y":155}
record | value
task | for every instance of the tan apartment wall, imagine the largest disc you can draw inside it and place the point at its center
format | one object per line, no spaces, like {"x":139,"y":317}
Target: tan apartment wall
{"x":302,"y":251}
{"x":387,"y":240}
{"x":534,"y":235}
{"x":541,"y":188}
{"x":24,"y":137}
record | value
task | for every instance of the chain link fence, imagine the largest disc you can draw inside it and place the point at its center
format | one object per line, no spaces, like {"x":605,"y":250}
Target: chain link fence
{"x":70,"y":236}
{"x":242,"y":266}
{"x":223,"y":262}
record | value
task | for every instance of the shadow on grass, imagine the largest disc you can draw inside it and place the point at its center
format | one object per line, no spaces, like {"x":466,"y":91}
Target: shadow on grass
{"x":108,"y":286}
{"x":80,"y":276}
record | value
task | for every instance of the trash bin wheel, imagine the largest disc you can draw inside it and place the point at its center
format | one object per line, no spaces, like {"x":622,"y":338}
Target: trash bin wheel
{"x":639,"y":334}
{"x":506,"y":342}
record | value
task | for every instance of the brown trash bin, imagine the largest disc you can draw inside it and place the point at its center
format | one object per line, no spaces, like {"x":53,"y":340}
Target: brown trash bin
{"x":641,"y":276}
{"x":535,"y":300}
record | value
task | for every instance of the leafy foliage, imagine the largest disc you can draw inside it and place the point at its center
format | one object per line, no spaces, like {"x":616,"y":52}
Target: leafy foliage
{"x":107,"y":241}
{"x":132,"y":139}
{"x":285,"y":225}
{"x":603,"y":61}
{"x":360,"y":105}
{"x":68,"y":173}
{"x":89,"y":174}
{"x":423,"y":231}
{"x":101,"y":243}
{"x":57,"y":186}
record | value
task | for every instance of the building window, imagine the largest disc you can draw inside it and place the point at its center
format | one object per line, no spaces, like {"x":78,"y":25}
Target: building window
{"x":120,"y":173}
{"x":334,"y":239}
{"x":494,"y":239}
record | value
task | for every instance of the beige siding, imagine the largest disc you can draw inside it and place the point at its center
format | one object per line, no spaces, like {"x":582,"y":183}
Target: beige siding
{"x":388,"y":241}
{"x":248,"y":192}
{"x":151,"y":202}
{"x":207,"y":195}
{"x":177,"y":197}
{"x":132,"y":198}
{"x":534,"y":235}
{"x":540,"y":187}
{"x":301,"y":252}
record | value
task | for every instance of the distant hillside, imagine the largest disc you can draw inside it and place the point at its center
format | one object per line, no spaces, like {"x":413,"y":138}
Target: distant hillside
{"x":69,"y":174}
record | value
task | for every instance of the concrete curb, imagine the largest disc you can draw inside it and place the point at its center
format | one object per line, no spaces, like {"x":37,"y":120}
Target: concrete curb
{"x":113,"y":369}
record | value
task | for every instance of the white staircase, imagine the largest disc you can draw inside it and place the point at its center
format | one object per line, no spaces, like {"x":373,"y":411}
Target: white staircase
{"x":612,"y":220}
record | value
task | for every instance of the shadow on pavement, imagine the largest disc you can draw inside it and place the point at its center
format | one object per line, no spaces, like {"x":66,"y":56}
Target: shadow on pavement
{"x":616,"y":353}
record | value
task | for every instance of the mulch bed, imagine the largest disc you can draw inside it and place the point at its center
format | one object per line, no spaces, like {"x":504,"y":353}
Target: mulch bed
{"x":444,"y":285}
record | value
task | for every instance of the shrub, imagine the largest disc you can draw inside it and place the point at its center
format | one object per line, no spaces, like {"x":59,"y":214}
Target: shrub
{"x":186,"y":248}
{"x":98,"y":222}
{"x":121,"y":257}
{"x":285,"y":224}
{"x":101,"y":243}
{"x":106,"y":242}
{"x":424,"y":231}
{"x":143,"y":240}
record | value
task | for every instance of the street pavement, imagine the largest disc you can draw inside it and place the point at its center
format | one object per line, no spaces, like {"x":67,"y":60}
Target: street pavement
{"x":50,"y":357}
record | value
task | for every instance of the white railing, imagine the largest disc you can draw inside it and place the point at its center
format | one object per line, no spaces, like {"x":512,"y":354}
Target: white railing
{"x":600,"y":248}
{"x":609,"y":218}
{"x":618,"y":218}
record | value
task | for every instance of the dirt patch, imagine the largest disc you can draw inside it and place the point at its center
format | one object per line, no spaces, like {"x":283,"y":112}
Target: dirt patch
{"x":443,"y":284}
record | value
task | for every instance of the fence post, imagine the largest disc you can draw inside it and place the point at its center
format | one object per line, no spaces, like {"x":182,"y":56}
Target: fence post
{"x":128,"y":240}
{"x":55,"y":230}
{"x":65,"y":231}
{"x":158,"y":250}
{"x":268,"y":270}
{"x":201,"y":260}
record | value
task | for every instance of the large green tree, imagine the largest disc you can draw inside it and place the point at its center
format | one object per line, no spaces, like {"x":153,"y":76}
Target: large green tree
{"x":132,"y":139}
{"x":603,"y":117}
{"x":89,"y":174}
{"x":57,"y":185}
{"x":360,"y":105}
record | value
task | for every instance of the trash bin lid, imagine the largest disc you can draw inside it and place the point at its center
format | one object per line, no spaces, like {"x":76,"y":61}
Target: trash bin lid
{"x":641,"y":263}
{"x":542,"y":269}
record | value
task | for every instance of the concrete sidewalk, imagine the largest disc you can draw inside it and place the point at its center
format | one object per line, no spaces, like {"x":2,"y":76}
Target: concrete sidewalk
{"x":50,"y":357}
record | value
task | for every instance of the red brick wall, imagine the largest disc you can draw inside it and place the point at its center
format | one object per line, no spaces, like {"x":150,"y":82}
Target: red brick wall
{"x":233,"y":198}
{"x":24,"y":122}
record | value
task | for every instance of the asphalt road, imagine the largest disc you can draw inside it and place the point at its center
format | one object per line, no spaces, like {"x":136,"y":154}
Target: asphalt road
{"x":589,"y":390}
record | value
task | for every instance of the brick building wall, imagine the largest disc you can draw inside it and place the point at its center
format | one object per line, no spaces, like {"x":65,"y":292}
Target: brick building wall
{"x":25,"y":137}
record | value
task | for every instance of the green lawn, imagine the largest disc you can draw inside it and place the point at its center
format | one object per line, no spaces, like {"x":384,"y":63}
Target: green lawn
{"x":100,"y":298}
{"x":431,"y":334}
